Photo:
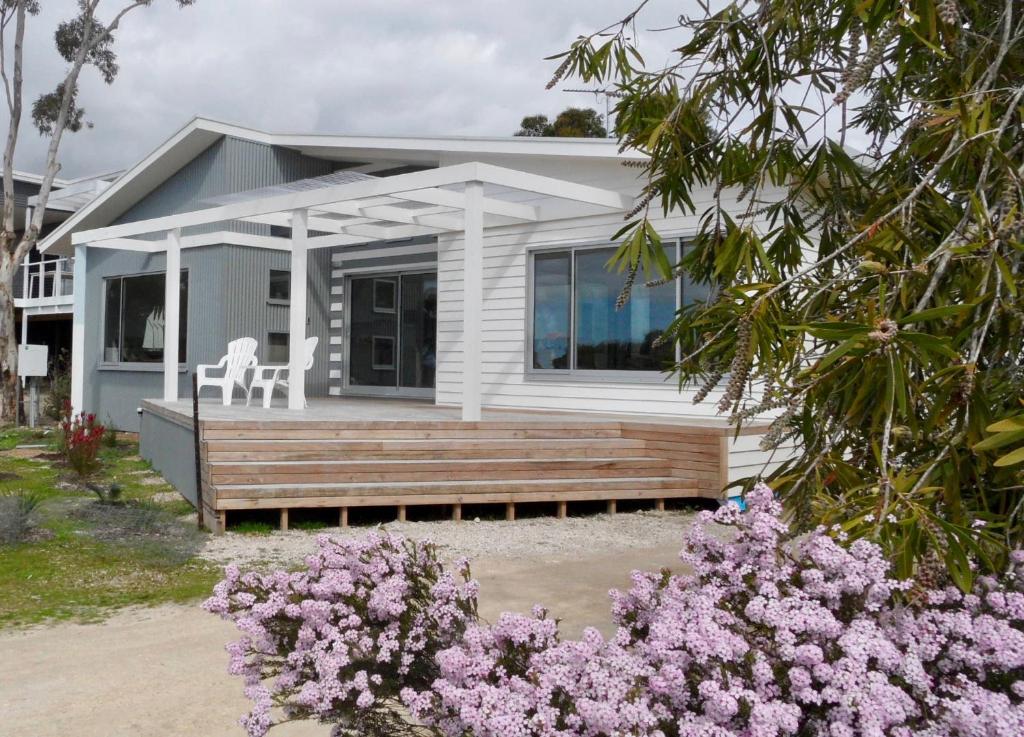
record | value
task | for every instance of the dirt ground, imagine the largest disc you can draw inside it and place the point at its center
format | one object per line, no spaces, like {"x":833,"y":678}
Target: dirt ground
{"x":161,"y":671}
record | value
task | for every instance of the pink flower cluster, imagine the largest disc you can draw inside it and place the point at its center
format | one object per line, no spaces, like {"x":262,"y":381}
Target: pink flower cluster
{"x":767,"y":636}
{"x":336,"y":641}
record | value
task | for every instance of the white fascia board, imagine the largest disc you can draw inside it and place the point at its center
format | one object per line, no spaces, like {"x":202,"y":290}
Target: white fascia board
{"x":138,"y":181}
{"x":285,"y":202}
{"x":217,"y":238}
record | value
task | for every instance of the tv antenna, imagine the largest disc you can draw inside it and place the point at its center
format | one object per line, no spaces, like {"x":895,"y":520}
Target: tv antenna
{"x":608,"y":95}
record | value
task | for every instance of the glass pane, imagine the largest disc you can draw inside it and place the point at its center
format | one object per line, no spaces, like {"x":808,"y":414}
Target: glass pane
{"x":280,"y":285}
{"x":551,"y":295}
{"x":112,"y":322}
{"x":277,"y":347}
{"x":618,"y":340}
{"x":692,"y":291}
{"x":142,"y":318}
{"x":384,"y":297}
{"x":372,"y":338}
{"x":419,"y":330}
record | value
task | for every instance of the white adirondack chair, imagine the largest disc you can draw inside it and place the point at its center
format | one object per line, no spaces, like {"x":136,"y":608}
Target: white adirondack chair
{"x":265,"y":378}
{"x":241,"y":357}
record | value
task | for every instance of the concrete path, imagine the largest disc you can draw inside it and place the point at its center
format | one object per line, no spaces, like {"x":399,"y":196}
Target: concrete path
{"x":160,"y":672}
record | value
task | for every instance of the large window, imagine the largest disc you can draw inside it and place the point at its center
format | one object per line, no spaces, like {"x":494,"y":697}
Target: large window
{"x":133,"y":321}
{"x":576,"y":326}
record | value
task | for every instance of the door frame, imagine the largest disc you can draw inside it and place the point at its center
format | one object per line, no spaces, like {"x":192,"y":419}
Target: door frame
{"x":346,"y":340}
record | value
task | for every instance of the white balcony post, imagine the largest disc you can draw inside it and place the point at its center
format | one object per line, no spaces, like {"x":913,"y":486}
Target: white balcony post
{"x":472,"y":301}
{"x":78,"y":333}
{"x":297,"y":311}
{"x":58,"y":286}
{"x":172,"y":315}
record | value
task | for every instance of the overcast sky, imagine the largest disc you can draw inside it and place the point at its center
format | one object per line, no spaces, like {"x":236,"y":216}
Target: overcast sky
{"x":471,"y":67}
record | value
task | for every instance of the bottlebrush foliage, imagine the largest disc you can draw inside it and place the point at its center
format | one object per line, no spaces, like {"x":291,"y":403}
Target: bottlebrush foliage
{"x":869,"y":281}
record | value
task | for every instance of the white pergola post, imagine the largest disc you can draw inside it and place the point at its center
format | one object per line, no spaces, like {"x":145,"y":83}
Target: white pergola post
{"x":472,"y":300}
{"x":172,"y":315}
{"x":78,"y":332}
{"x":297,"y":311}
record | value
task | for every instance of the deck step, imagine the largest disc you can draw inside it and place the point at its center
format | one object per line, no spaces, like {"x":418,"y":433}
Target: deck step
{"x":329,"y":450}
{"x":243,"y":496}
{"x":535,"y":432}
{"x":255,"y":472}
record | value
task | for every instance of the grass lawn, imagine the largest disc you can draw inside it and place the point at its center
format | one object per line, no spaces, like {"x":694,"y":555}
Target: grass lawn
{"x":80,"y":558}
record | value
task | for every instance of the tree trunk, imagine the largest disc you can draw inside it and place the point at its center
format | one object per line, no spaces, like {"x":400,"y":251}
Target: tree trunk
{"x":8,"y":343}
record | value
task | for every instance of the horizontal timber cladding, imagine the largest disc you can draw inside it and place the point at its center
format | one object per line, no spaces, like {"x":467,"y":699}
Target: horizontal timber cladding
{"x":282,"y":464}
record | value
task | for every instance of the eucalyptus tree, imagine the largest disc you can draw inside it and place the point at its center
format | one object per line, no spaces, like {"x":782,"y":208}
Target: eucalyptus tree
{"x":868,"y":285}
{"x":82,"y":40}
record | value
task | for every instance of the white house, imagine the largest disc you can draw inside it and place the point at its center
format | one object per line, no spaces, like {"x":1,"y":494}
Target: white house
{"x":467,"y":274}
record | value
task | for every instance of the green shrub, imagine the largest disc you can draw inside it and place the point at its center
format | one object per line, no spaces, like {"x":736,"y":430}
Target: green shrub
{"x":16,"y":516}
{"x":60,"y":393}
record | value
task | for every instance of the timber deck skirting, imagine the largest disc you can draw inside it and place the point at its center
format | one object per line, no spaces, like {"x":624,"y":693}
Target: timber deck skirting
{"x":289,"y":464}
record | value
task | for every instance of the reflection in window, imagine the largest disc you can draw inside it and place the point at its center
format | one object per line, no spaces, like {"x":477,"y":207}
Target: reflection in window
{"x":618,"y":340}
{"x":575,"y":323}
{"x":280,"y":285}
{"x":551,"y":316}
{"x":133,"y":324}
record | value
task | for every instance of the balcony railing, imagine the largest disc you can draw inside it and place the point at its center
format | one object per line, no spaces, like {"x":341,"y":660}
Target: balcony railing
{"x":52,"y":281}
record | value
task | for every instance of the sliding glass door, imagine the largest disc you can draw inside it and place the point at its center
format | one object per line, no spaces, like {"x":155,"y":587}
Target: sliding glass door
{"x":392,"y":334}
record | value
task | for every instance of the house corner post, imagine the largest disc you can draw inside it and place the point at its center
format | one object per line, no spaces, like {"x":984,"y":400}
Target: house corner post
{"x":473,"y":302}
{"x":172,"y":315}
{"x":297,"y":311}
{"x":78,"y":331}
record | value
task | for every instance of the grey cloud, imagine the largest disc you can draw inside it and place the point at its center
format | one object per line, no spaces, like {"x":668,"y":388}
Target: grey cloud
{"x":338,"y":66}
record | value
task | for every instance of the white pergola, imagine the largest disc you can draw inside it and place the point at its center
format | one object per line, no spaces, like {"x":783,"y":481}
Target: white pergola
{"x":463,"y":198}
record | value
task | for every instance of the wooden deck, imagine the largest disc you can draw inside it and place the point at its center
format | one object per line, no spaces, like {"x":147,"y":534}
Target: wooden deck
{"x":345,"y":453}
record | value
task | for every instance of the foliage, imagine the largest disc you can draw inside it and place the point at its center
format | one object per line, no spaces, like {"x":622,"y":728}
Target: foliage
{"x":1006,"y":432}
{"x":81,"y":436}
{"x":771,"y":635}
{"x":573,"y":122}
{"x":341,"y":637}
{"x":83,"y":40}
{"x":857,"y":172}
{"x":82,"y":559}
{"x":107,"y":494}
{"x":16,"y":511}
{"x":60,"y":389}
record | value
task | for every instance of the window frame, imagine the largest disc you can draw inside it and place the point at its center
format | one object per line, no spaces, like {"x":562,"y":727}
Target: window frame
{"x":572,"y":373}
{"x":277,"y":300}
{"x":155,"y":366}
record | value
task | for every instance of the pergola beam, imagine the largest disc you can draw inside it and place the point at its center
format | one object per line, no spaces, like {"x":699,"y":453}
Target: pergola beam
{"x":407,"y":186}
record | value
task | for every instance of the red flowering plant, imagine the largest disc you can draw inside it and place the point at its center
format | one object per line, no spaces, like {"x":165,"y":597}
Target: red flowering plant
{"x":80,"y":438}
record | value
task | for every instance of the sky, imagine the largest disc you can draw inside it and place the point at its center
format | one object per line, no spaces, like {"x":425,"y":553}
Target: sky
{"x":384,"y":67}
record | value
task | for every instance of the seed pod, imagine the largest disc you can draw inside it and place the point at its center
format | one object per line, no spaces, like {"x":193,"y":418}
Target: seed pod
{"x":627,"y":288}
{"x":739,"y":369}
{"x":559,"y":73}
{"x":710,"y":383}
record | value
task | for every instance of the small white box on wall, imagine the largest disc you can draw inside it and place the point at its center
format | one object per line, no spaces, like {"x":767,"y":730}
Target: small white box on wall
{"x":32,"y":360}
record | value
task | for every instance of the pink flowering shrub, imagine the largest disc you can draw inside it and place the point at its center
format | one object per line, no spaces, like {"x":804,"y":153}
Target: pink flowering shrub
{"x":336,"y":641}
{"x":767,"y":636}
